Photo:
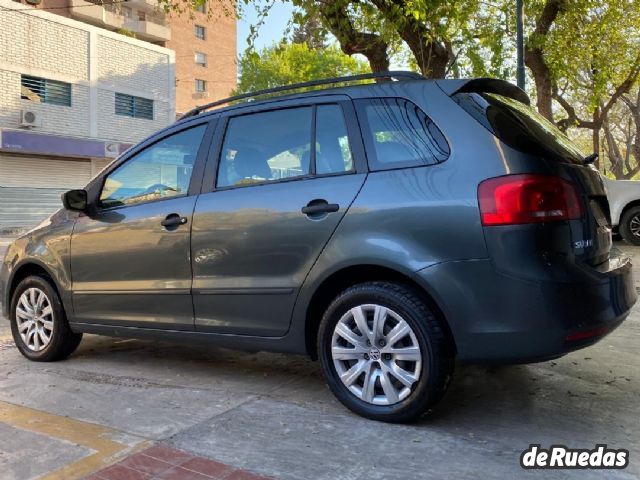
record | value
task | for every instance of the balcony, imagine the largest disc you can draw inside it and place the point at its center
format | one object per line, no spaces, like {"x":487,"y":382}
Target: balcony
{"x":87,"y":12}
{"x":153,"y":28}
{"x":150,"y":30}
{"x":143,"y":5}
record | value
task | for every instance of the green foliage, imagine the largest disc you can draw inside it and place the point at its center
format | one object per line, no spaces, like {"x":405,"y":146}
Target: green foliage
{"x":309,"y":29}
{"x":126,"y":32}
{"x":592,"y":47}
{"x":585,"y":56}
{"x":288,"y":63}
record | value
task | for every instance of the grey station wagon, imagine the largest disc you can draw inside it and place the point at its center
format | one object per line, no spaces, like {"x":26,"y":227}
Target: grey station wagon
{"x":385,"y":228}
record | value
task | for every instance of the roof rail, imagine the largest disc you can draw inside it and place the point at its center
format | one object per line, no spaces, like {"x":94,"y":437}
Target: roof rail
{"x":398,"y":75}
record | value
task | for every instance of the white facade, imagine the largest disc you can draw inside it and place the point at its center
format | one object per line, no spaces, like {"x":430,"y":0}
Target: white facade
{"x":97,"y":64}
{"x":95,"y":61}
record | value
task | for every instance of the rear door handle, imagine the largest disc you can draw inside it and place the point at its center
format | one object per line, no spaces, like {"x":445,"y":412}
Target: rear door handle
{"x":315,"y":207}
{"x":173,"y":221}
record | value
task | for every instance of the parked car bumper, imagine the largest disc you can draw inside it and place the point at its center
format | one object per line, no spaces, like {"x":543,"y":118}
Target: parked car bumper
{"x":499,"y":318}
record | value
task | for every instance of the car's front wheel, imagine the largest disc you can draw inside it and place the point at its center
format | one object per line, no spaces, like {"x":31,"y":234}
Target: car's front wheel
{"x":38,"y":322}
{"x":384,"y":353}
{"x":630,"y":226}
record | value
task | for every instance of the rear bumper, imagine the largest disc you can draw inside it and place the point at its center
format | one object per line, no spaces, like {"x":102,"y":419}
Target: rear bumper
{"x":499,"y":318}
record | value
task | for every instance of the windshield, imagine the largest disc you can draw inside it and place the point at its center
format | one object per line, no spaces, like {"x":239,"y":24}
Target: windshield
{"x":519,"y":126}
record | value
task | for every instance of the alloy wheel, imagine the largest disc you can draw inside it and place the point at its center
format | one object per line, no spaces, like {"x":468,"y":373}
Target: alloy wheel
{"x":376,"y":354}
{"x":34,"y":319}
{"x":634,"y":226}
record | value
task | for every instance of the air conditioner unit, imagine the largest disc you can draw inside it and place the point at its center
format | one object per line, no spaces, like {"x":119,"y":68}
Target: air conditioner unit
{"x":29,"y":118}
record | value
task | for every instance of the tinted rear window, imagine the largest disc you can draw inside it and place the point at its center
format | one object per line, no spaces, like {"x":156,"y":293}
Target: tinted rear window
{"x":519,"y":126}
{"x":397,"y":134}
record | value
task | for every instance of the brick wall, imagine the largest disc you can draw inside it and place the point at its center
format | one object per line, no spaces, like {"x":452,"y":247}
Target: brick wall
{"x":56,"y":119}
{"x":123,"y":65}
{"x":127,"y":129}
{"x":220,"y":48}
{"x":37,"y":42}
{"x":95,"y":62}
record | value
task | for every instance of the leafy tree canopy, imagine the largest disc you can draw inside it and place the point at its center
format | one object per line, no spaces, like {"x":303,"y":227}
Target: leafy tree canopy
{"x":288,"y":63}
{"x":582,"y":56}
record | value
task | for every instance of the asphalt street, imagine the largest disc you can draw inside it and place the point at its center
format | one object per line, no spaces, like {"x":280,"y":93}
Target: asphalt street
{"x":273,"y":415}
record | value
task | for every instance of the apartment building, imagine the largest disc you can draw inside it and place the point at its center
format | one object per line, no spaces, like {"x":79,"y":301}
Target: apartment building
{"x":72,"y":97}
{"x":203,"y":39}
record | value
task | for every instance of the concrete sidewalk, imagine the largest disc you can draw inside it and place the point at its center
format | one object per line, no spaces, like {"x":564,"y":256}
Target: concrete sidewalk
{"x":272,"y":415}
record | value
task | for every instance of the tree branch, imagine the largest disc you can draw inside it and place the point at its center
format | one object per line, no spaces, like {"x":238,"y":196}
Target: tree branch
{"x":534,"y":56}
{"x":572,"y":119}
{"x":432,"y":56}
{"x":352,"y":41}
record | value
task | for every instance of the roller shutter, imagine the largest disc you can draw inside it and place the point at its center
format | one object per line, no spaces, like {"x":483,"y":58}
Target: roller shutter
{"x":30,"y":188}
{"x":43,"y":172}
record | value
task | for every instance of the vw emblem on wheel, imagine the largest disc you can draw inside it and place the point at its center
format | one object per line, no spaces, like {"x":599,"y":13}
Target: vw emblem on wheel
{"x":374,"y":354}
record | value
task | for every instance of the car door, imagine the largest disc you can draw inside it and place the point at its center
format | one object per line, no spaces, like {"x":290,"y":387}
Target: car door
{"x":131,"y":257}
{"x":269,"y":205}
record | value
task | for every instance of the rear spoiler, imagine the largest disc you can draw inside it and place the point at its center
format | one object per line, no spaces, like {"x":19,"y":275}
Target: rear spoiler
{"x":484,"y":85}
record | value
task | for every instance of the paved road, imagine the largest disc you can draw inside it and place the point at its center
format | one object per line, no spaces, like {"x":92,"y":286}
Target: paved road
{"x":273,"y":415}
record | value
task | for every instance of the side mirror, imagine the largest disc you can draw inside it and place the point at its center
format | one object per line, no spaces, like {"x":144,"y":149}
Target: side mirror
{"x":75,"y":200}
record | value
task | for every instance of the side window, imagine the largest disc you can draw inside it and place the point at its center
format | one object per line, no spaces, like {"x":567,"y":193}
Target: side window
{"x":333,"y":154}
{"x":160,"y":171}
{"x":398,"y":133}
{"x":266,"y":146}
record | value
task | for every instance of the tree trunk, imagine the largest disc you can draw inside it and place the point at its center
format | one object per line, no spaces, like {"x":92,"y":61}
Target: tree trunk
{"x":596,"y":137}
{"x":615,"y":157}
{"x":431,"y":56}
{"x":534,"y":57}
{"x":352,"y":41}
{"x":534,"y":60}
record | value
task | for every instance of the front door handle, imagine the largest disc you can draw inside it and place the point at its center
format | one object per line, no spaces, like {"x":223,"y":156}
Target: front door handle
{"x":315,"y":207}
{"x":173,"y":221}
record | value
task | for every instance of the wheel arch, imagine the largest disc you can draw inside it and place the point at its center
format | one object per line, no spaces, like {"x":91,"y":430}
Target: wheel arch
{"x":348,"y":276}
{"x":628,"y":206}
{"x":24,"y":270}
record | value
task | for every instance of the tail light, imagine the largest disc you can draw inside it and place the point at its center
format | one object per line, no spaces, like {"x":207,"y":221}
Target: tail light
{"x":586,"y":334}
{"x":529,"y":198}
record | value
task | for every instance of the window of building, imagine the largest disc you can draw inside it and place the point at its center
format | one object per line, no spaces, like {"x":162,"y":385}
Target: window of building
{"x":266,"y":146}
{"x":399,"y":134}
{"x":201,"y":59}
{"x":127,"y":12}
{"x":200,"y":32}
{"x":201,"y":7}
{"x":136,"y":107}
{"x":142,"y":16}
{"x":161,"y":171}
{"x":44,"y":90}
{"x":201,"y":86}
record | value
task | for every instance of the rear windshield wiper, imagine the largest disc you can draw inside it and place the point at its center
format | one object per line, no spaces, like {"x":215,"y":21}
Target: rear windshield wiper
{"x":588,"y":160}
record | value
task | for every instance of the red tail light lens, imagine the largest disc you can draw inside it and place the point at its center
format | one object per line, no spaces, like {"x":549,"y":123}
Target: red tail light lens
{"x":584,"y":335}
{"x":518,"y":199}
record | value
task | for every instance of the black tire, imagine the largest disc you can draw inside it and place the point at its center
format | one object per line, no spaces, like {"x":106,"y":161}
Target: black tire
{"x":625,"y":225}
{"x":435,"y":346}
{"x":63,"y":341}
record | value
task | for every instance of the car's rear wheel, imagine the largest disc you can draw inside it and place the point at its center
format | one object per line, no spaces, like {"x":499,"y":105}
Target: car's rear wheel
{"x":630,"y":226}
{"x":384,"y":353}
{"x":38,"y":322}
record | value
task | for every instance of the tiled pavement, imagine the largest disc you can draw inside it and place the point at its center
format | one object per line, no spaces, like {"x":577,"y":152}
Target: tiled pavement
{"x":164,"y":463}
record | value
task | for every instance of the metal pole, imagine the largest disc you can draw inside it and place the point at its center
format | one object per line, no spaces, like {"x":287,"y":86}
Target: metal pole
{"x":520,"y":79}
